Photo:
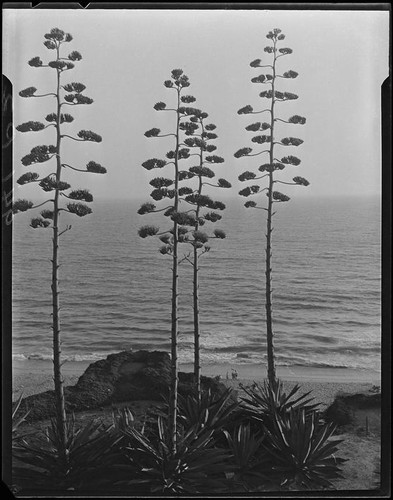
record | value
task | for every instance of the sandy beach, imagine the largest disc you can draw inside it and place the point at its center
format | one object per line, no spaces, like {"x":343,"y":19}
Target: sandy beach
{"x":33,"y":376}
{"x":362,"y":450}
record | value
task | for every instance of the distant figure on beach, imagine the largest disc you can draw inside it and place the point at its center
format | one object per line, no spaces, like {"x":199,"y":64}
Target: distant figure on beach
{"x":234,"y":374}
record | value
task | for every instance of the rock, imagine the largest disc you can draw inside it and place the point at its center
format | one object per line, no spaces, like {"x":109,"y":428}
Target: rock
{"x":186,"y":384}
{"x":124,"y":376}
{"x":343,"y":409}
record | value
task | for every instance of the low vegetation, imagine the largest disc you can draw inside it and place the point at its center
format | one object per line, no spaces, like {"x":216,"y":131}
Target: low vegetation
{"x":265,"y":441}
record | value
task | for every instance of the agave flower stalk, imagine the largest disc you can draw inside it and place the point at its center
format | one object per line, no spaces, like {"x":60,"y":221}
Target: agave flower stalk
{"x":274,"y":165}
{"x":200,"y":137}
{"x":53,"y":182}
{"x":176,"y":233}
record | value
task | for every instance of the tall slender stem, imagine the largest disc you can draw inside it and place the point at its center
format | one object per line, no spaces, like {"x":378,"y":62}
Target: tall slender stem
{"x":59,"y":390}
{"x":175,"y":279}
{"x":197,"y":361}
{"x":271,"y":371}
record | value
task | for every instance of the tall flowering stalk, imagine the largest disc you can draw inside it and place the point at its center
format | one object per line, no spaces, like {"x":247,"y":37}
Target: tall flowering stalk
{"x":273,"y":166}
{"x":201,"y":136}
{"x":168,"y":189}
{"x":69,"y":94}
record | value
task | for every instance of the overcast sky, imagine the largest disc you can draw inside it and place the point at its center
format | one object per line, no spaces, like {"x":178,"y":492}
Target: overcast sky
{"x":341,"y":58}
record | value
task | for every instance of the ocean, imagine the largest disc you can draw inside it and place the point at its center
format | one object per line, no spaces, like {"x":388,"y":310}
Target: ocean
{"x":116,"y":287}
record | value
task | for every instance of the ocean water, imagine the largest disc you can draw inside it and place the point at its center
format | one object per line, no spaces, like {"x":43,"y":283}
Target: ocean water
{"x":116,"y":287}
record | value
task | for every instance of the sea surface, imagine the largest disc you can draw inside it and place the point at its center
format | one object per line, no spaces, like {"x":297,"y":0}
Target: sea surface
{"x":116,"y":287}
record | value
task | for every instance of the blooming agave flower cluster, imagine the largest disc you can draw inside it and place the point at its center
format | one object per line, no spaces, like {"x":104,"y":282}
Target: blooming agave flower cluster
{"x":196,"y":142}
{"x":72,"y":96}
{"x":268,"y":171}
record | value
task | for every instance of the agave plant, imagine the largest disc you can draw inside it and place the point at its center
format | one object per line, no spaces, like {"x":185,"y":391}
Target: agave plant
{"x":303,"y":453}
{"x":211,"y":411}
{"x":266,"y":402}
{"x":90,"y":451}
{"x":249,"y":459}
{"x":196,"y":466}
{"x":17,"y":420}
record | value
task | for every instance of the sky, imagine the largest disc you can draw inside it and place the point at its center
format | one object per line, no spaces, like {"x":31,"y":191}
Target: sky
{"x":341,"y":58}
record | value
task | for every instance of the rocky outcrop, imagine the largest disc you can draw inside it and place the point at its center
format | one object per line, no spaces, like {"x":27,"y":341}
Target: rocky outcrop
{"x":342,"y":412}
{"x":124,"y":376}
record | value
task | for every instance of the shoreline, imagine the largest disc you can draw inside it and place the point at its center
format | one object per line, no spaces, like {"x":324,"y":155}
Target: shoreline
{"x":34,"y":376}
